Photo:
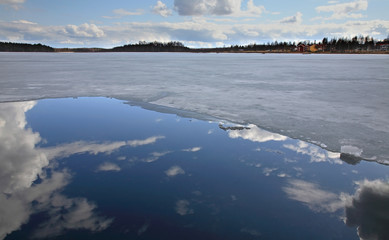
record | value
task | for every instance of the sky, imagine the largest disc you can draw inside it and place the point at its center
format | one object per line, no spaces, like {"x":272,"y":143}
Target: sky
{"x":196,"y":23}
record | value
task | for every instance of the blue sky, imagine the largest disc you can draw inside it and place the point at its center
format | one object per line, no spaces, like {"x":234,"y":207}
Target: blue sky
{"x":196,"y":23}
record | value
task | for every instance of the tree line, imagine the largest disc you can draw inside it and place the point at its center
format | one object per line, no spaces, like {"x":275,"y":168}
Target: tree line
{"x":24,"y":47}
{"x":143,"y":46}
{"x":335,"y":45}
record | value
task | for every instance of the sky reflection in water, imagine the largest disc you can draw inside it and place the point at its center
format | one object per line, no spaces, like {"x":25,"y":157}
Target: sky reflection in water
{"x":95,"y":168}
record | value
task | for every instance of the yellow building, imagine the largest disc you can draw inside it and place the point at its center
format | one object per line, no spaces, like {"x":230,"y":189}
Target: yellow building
{"x":313,"y":48}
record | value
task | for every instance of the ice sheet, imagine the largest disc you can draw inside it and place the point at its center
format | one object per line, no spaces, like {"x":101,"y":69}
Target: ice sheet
{"x":332,"y":100}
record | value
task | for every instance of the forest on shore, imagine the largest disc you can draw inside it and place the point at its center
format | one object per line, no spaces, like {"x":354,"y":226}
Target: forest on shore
{"x":356,"y":44}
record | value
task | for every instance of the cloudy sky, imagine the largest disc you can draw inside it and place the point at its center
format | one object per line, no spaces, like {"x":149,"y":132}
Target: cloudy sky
{"x":196,"y":23}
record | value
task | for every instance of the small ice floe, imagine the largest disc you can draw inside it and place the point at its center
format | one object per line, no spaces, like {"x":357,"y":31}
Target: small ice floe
{"x":352,"y":150}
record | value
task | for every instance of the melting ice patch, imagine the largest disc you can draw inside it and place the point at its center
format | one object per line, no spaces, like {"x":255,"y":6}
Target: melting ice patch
{"x":300,"y":97}
{"x":352,"y":150}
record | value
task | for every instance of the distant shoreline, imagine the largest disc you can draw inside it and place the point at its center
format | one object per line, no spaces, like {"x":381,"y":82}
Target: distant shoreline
{"x":333,"y":47}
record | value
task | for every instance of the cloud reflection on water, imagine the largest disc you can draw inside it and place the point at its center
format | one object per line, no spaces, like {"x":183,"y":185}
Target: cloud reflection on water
{"x":22,"y":163}
{"x":367,"y":209}
{"x":311,"y":195}
{"x":316,"y":153}
{"x":174,"y":171}
{"x":255,"y":134}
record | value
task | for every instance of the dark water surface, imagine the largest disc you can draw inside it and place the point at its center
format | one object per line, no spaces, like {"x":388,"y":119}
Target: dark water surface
{"x":97,"y":168}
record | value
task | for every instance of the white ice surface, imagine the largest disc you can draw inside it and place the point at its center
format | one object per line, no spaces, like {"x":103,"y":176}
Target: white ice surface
{"x":331,"y":100}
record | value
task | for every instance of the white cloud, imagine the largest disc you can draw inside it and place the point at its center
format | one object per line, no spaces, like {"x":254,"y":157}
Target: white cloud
{"x":108,"y":166}
{"x":255,"y":134}
{"x":174,"y":171}
{"x":182,"y":208}
{"x":123,"y":12}
{"x":24,"y":22}
{"x":194,"y":32}
{"x":367,"y":209}
{"x":161,"y":9}
{"x":206,"y":7}
{"x":311,"y":195}
{"x":194,"y":149}
{"x":85,"y":30}
{"x":344,"y":10}
{"x":119,"y":13}
{"x":268,"y":171}
{"x":16,"y":4}
{"x":254,"y":10}
{"x":65,"y":150}
{"x":68,"y":149}
{"x":20,"y":162}
{"x":16,"y":208}
{"x":70,"y":213}
{"x":62,"y":212}
{"x":150,"y":140}
{"x":155,"y":156}
{"x":298,"y":18}
{"x":217,"y":7}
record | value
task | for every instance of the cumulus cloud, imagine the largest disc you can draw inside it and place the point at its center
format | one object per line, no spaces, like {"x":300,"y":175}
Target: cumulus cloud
{"x":15,"y":208}
{"x":85,"y":30}
{"x":344,"y":10}
{"x":161,"y":9}
{"x":253,"y":9}
{"x":21,"y":162}
{"x":255,"y":134}
{"x":71,"y":214}
{"x":194,"y":32}
{"x":206,"y":7}
{"x":182,"y":208}
{"x":217,"y":7}
{"x":311,"y":195}
{"x":62,"y":212}
{"x":108,"y":166}
{"x":368,"y":209}
{"x":298,"y":18}
{"x":174,"y":171}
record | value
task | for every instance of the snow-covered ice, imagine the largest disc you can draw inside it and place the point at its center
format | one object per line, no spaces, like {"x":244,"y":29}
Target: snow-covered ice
{"x":337,"y":101}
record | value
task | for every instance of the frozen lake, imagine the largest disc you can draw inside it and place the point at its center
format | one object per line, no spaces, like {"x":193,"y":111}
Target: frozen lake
{"x":98,"y":168}
{"x":339,"y":102}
